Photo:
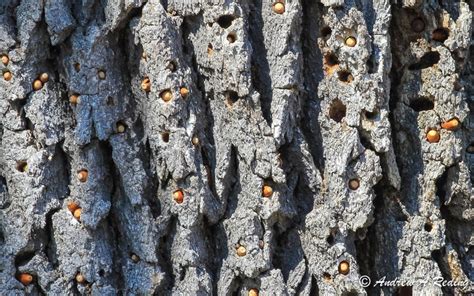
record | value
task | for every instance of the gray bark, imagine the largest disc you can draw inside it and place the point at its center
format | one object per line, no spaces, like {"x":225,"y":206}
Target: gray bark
{"x":275,"y":100}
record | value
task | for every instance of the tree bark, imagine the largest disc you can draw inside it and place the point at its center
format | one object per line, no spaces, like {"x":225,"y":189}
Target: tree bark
{"x":237,"y":147}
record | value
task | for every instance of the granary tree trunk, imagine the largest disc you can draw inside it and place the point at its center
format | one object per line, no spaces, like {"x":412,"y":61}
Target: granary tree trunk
{"x":236,"y":147}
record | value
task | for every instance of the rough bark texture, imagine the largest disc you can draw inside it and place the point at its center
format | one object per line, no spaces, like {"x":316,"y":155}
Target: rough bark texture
{"x":276,"y":100}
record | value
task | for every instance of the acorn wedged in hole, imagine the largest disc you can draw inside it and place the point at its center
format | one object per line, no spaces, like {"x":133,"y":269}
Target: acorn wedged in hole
{"x":451,"y":125}
{"x":166,"y":95}
{"x":37,"y":85}
{"x":25,"y":278}
{"x":279,"y":8}
{"x":433,"y":136}
{"x":5,"y":59}
{"x":253,"y":292}
{"x":344,"y":267}
{"x":241,"y":251}
{"x":74,"y":99}
{"x":7,"y":75}
{"x":178,"y":196}
{"x":267,"y":191}
{"x":83,"y":175}
{"x":351,"y":41}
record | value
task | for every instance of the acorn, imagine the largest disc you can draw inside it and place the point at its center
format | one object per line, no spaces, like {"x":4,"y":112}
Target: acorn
{"x":354,"y":184}
{"x":241,"y":251}
{"x":101,"y":74}
{"x":7,"y":75}
{"x":37,"y":84}
{"x":25,"y":278}
{"x":267,"y":191}
{"x":83,"y":175}
{"x":178,"y":196}
{"x":74,"y":99}
{"x":166,"y":95}
{"x":135,"y":258}
{"x":77,"y":213}
{"x":184,"y":92}
{"x":418,"y":25}
{"x":432,"y":136}
{"x":451,"y":124}
{"x":121,"y":128}
{"x":195,"y":141}
{"x":44,"y":77}
{"x":80,"y":278}
{"x":146,"y":84}
{"x":351,"y":41}
{"x":344,"y":267}
{"x":72,"y":206}
{"x":279,"y":7}
{"x":253,"y":292}
{"x":5,"y":59}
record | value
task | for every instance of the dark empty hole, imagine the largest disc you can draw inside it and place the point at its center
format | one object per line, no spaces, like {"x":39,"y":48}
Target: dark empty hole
{"x":330,"y":239}
{"x":22,"y":166}
{"x":231,"y":97}
{"x":371,"y":115}
{"x":110,"y":101}
{"x":440,"y":34}
{"x":404,"y":291}
{"x":210,"y":49}
{"x":325,"y":32}
{"x":371,"y":65}
{"x":428,"y":226}
{"x":101,"y":272}
{"x":231,"y":37}
{"x":351,"y":293}
{"x":23,"y":257}
{"x":171,"y":66}
{"x":77,"y":67}
{"x":165,"y":137}
{"x":421,"y":104}
{"x":337,"y":111}
{"x":327,"y":276}
{"x":225,"y":21}
{"x":331,"y":59}
{"x":426,"y":61}
{"x":345,"y":76}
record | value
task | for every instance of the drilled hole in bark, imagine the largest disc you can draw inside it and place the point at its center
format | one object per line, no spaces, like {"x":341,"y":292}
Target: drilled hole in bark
{"x":418,"y":25}
{"x":172,"y":66}
{"x":225,"y":21}
{"x":331,"y":60}
{"x":404,"y":291}
{"x":422,"y":104}
{"x":110,"y":101}
{"x":231,"y":97}
{"x":77,"y":67}
{"x":165,"y":137}
{"x":326,"y":276}
{"x":231,"y":37}
{"x":326,"y":32}
{"x":345,"y":76}
{"x":101,"y":273}
{"x":426,"y":61}
{"x":337,"y":111}
{"x":428,"y":226}
{"x":210,"y":49}
{"x":371,"y":115}
{"x":440,"y":34}
{"x":330,"y":240}
{"x":22,"y":166}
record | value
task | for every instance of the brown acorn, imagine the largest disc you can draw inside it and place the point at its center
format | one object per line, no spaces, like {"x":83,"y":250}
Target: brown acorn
{"x":451,"y":124}
{"x":178,"y":196}
{"x":37,"y":84}
{"x":354,"y":184}
{"x":7,"y":75}
{"x":25,"y":278}
{"x":432,"y":136}
{"x":241,"y":251}
{"x":44,"y":77}
{"x":166,"y":95}
{"x":279,"y":8}
{"x":5,"y":59}
{"x":83,"y":175}
{"x":267,"y":191}
{"x":351,"y":41}
{"x":344,"y":267}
